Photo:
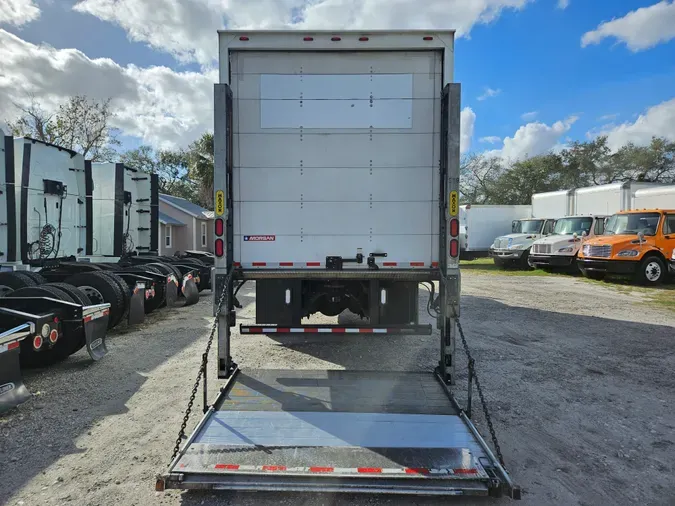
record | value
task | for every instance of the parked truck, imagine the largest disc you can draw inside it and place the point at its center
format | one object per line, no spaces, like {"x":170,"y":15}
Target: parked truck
{"x":638,"y":243}
{"x":336,"y":188}
{"x":607,"y":199}
{"x":480,"y":224}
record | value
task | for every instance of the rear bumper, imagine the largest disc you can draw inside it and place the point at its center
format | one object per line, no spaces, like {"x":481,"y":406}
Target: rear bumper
{"x":551,"y":260}
{"x":609,"y":266}
{"x":507,"y":254}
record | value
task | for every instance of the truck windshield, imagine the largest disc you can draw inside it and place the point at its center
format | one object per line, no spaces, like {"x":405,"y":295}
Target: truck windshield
{"x":528,"y":226}
{"x":633,"y":223}
{"x":569,"y":226}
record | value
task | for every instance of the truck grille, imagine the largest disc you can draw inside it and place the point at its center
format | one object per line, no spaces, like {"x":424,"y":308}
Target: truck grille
{"x":597,"y":251}
{"x":542,"y":249}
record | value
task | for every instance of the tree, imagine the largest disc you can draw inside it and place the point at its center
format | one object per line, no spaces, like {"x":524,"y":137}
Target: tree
{"x":525,"y":178}
{"x":478,"y":175}
{"x":200,"y":157}
{"x":171,"y":168}
{"x":79,"y":124}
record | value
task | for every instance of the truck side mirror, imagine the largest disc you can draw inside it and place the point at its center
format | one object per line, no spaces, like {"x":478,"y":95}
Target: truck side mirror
{"x":514,"y":224}
{"x":641,"y":237}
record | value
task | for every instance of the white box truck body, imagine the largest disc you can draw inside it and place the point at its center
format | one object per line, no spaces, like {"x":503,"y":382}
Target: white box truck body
{"x":337,"y":188}
{"x":480,"y":224}
{"x":607,"y":199}
{"x":661,"y":197}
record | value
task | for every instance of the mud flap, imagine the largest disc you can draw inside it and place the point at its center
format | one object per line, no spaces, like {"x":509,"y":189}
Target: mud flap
{"x":137,"y":305}
{"x":95,"y":329}
{"x":171,"y":291}
{"x":190,"y":290}
{"x":13,"y":391}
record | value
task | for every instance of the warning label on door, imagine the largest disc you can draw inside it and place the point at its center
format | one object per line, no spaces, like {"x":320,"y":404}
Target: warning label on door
{"x":260,"y":238}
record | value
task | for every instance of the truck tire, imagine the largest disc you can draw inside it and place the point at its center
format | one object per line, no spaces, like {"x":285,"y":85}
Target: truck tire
{"x":14,"y":280}
{"x":169,"y":269}
{"x":524,"y":262}
{"x":35,"y":276}
{"x":100,"y":289}
{"x":652,"y":271}
{"x":61,"y":350}
{"x":78,"y":297}
{"x":126,"y":290}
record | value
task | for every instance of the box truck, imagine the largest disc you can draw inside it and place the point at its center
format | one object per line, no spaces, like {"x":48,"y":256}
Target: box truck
{"x":480,"y":224}
{"x":336,"y":188}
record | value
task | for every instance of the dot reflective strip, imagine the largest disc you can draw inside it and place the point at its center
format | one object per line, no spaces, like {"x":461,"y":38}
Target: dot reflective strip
{"x":400,"y":471}
{"x":9,"y":346}
{"x":323,"y":330}
{"x":96,"y":315}
{"x":254,"y":265}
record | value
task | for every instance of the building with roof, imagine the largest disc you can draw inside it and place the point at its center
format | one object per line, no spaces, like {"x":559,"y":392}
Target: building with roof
{"x":183,"y":226}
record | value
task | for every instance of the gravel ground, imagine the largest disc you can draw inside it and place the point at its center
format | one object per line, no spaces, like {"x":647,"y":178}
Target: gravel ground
{"x":580,"y":377}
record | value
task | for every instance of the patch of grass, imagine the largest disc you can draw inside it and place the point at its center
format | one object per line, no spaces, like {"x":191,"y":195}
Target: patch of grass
{"x":487,"y":266}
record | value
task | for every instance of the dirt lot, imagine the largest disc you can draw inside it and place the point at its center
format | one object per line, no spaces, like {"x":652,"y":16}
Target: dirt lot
{"x":581,"y":379}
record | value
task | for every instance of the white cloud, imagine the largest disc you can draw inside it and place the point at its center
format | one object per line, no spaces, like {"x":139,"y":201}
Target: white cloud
{"x":640,"y":29}
{"x":530,"y":116}
{"x":657,"y":121}
{"x":467,"y":123}
{"x":18,"y":12}
{"x":609,"y":117}
{"x":186,"y":28}
{"x":161,"y":106}
{"x":489,"y":93}
{"x":492,"y":139}
{"x":563,"y":4}
{"x":534,"y":139}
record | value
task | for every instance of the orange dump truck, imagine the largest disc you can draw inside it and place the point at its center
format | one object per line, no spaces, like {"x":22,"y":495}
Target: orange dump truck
{"x":640,"y":243}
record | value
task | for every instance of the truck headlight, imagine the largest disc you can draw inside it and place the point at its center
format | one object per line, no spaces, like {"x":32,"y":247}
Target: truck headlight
{"x":628,"y":253}
{"x":517,"y":246}
{"x":672,"y":257}
{"x":568,"y":249}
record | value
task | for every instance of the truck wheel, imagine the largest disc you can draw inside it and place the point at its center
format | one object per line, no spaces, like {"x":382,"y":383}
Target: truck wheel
{"x":35,"y":276}
{"x":652,"y":271}
{"x":78,"y":297}
{"x":14,"y":280}
{"x":169,"y":269}
{"x":101,"y":289}
{"x":524,"y":262}
{"x":61,"y":350}
{"x":126,"y":291}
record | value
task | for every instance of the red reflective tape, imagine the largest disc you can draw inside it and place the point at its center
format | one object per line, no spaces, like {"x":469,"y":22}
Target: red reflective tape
{"x":465,"y":471}
{"x":273,"y":468}
{"x":434,"y":264}
{"x":416,"y":264}
{"x":369,"y":470}
{"x":286,"y":264}
{"x":390,"y":264}
{"x":12,"y":346}
{"x":259,"y":264}
{"x":313,"y":264}
{"x":282,"y":330}
{"x":417,"y":470}
{"x":321,"y":469}
{"x":311,"y":331}
{"x":365,"y":331}
{"x":338,"y":331}
{"x":255,"y":330}
{"x":229,"y":467}
{"x":236,"y":264}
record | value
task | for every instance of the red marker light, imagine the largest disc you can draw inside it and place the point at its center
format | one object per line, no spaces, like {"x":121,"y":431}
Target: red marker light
{"x":454,"y":227}
{"x":336,"y":39}
{"x":219,"y":227}
{"x":220,"y":248}
{"x":37,"y":342}
{"x":243,"y":38}
{"x":454,"y":248}
{"x":308,"y":39}
{"x":427,"y":38}
{"x":363,"y":39}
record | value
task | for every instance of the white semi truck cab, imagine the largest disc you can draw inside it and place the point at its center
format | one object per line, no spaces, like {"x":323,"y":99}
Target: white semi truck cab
{"x":561,"y":248}
{"x":514,"y":248}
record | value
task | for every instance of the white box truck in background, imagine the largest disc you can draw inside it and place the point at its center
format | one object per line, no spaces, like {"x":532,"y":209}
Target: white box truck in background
{"x":661,"y":197}
{"x":607,"y":199}
{"x":480,"y":224}
{"x":337,"y":188}
{"x":514,"y":248}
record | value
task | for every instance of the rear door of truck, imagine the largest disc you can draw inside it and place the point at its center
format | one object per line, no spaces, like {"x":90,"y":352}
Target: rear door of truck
{"x":335,"y":152}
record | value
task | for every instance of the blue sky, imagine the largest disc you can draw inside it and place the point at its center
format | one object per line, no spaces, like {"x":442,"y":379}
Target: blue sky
{"x":520,"y":56}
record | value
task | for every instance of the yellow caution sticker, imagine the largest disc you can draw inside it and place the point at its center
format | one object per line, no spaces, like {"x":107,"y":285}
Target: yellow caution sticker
{"x":220,"y":202}
{"x":454,"y":203}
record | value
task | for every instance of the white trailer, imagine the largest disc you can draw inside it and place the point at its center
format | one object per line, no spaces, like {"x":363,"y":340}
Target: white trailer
{"x":480,"y":224}
{"x":553,"y":204}
{"x":337,"y":188}
{"x":607,"y":199}
{"x":661,"y":197}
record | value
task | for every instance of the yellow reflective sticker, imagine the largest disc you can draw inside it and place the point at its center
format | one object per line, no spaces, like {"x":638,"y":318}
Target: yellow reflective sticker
{"x":454,"y":203}
{"x":220,"y":202}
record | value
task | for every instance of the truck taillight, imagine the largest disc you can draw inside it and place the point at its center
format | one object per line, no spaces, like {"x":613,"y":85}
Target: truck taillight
{"x":454,"y":248}
{"x":243,"y":38}
{"x":454,"y":227}
{"x":363,"y":39}
{"x":336,"y":39}
{"x":427,"y":38}
{"x":219,"y":227}
{"x":220,"y":247}
{"x":308,"y":39}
